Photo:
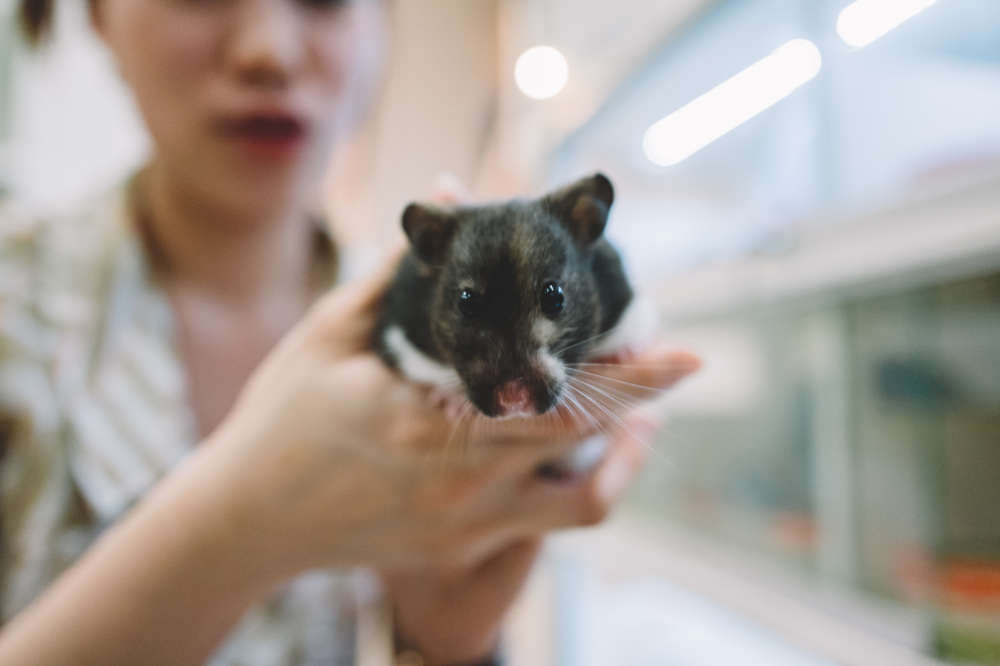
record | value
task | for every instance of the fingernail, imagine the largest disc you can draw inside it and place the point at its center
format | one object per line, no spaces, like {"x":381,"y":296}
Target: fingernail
{"x":687,"y":362}
{"x":449,"y":189}
{"x":678,"y":365}
{"x":613,"y":479}
{"x":645,"y":428}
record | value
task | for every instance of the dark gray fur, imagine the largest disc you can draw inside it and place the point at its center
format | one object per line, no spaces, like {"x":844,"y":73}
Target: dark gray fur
{"x":508,"y":251}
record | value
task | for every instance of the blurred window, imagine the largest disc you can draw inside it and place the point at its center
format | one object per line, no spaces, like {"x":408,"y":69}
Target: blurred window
{"x":916,"y":110}
{"x":848,"y":433}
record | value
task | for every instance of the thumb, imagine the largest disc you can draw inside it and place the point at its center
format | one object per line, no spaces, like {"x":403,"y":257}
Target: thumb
{"x":347,"y":315}
{"x":647,"y":375}
{"x":364,"y":295}
{"x":448,"y":190}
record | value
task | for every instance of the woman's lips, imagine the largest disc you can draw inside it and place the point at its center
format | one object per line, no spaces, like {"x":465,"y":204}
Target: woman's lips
{"x":266,"y":135}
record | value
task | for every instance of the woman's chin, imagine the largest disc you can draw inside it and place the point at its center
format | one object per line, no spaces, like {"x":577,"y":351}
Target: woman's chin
{"x":257,"y":191}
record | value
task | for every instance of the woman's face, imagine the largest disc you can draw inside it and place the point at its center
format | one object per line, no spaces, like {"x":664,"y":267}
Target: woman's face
{"x":244,"y":98}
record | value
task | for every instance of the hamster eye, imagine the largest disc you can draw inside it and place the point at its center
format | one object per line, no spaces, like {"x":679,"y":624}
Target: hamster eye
{"x":470,"y":303}
{"x":552,"y":299}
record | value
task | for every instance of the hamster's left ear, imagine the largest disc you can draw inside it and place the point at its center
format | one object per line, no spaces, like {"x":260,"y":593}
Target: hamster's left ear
{"x":583,"y":207}
{"x":430,"y":230}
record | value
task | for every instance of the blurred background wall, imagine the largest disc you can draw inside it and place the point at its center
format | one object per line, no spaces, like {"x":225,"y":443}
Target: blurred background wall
{"x":827,"y":490}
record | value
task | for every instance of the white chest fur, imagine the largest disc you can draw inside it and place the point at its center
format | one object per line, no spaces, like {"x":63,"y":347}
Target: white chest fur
{"x":416,"y":365}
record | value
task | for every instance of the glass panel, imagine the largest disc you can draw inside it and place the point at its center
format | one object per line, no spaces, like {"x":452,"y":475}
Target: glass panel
{"x":914,"y":111}
{"x":851,"y":436}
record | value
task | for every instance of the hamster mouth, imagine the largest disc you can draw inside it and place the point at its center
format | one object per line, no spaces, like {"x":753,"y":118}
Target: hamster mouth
{"x":519,"y":386}
{"x":520,"y":397}
{"x":266,"y":134}
{"x":263,"y":126}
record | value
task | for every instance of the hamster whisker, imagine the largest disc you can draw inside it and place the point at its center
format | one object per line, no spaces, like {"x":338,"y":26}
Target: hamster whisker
{"x":601,"y":409}
{"x":562,"y":350}
{"x":476,"y":421}
{"x":589,"y":364}
{"x":626,"y":396}
{"x":565,"y":409}
{"x":651,"y":389}
{"x":549,"y":419}
{"x":557,"y":413}
{"x":624,"y":426}
{"x":464,"y":413}
{"x":583,"y":391}
{"x":601,"y":418}
{"x":622,"y":400}
{"x":591,"y":380}
{"x":660,"y":455}
{"x":578,"y":408}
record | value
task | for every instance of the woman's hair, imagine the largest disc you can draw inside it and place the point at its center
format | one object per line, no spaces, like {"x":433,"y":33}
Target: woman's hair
{"x":36,"y":18}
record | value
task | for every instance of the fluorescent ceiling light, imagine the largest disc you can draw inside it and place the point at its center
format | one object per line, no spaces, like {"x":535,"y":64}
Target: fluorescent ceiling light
{"x":541,"y":72}
{"x":864,"y":21}
{"x":727,"y":106}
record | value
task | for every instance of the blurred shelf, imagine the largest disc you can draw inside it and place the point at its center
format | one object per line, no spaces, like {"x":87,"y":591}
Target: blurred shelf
{"x":794,"y":619}
{"x":946,"y":233}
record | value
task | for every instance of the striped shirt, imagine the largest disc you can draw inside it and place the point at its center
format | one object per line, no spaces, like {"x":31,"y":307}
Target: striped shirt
{"x":94,"y":411}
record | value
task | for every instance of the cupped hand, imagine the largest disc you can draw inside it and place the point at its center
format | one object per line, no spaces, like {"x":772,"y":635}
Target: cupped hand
{"x":330,"y":458}
{"x":453,"y":615}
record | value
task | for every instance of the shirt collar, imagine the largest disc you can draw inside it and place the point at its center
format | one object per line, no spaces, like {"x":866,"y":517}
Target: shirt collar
{"x":130,"y":414}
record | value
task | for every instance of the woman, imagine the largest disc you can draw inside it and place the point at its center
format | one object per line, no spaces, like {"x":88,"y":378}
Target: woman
{"x":172,"y":370}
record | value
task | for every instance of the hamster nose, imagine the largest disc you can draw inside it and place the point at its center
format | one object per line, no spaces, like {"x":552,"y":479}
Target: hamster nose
{"x":514,"y":398}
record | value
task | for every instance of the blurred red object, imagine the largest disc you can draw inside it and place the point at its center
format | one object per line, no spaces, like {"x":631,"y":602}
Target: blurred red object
{"x":970,"y":583}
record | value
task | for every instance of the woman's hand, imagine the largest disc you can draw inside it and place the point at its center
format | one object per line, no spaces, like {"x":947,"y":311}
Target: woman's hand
{"x":454,"y":615}
{"x":328,"y":457}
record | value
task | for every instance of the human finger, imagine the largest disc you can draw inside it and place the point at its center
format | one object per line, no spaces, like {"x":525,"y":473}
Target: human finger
{"x":643,"y":377}
{"x":349,"y":313}
{"x":449,"y":190}
{"x":588,"y":499}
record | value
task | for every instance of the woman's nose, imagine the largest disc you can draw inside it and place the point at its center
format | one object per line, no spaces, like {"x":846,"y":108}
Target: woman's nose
{"x":267,"y":44}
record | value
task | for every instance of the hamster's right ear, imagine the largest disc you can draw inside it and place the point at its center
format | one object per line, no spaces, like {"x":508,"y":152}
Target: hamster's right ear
{"x":430,"y":230}
{"x":583,"y":207}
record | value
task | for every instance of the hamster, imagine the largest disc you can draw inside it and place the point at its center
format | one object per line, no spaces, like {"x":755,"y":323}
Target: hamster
{"x":497,"y":302}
